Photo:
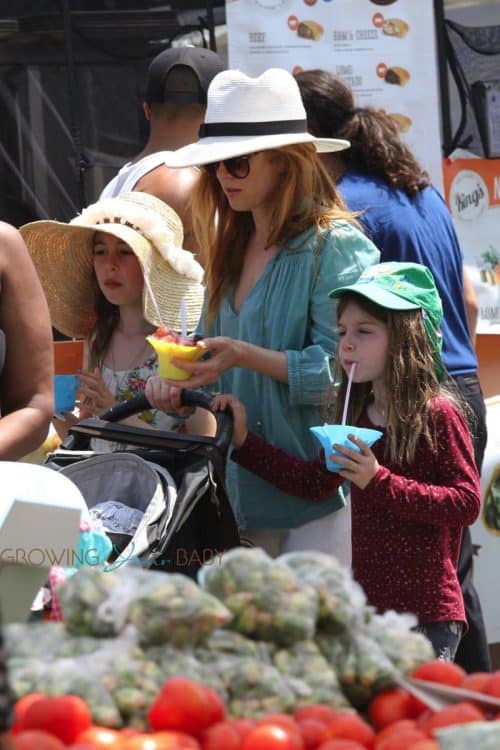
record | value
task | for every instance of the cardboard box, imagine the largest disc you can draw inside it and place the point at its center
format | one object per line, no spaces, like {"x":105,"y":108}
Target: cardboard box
{"x":40,"y":511}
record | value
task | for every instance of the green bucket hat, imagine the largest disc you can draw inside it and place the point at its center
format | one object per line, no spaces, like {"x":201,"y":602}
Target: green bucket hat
{"x":404,"y":286}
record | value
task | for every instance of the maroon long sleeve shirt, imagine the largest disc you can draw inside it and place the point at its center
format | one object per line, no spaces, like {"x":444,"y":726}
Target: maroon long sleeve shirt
{"x":406,"y":524}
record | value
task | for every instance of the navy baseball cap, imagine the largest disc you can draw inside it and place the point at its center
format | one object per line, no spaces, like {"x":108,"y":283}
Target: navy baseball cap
{"x":204,"y":63}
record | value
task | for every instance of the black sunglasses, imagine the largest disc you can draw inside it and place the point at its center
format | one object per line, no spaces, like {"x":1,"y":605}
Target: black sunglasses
{"x":238,"y":166}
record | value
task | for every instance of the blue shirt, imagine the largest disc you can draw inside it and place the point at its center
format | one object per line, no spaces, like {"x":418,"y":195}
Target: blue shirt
{"x":288,"y":310}
{"x":418,"y":230}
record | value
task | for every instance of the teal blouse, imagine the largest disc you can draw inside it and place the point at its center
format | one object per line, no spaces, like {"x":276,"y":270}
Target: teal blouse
{"x":289,"y":310}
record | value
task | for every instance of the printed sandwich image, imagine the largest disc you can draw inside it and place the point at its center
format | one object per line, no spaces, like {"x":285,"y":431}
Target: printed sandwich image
{"x":396,"y":75}
{"x":395,"y":27}
{"x":402,"y":122}
{"x":310,"y":30}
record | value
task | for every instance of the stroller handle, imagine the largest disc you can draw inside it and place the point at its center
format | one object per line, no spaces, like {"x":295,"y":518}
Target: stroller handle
{"x":103,"y":427}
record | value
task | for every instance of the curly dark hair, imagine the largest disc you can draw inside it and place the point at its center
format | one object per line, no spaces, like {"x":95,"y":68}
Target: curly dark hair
{"x":376,"y":147}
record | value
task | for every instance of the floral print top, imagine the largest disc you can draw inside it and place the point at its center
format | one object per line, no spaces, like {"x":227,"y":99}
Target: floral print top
{"x":124,"y":385}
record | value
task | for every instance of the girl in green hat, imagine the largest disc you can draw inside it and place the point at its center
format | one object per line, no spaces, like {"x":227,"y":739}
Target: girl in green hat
{"x":415,"y":490}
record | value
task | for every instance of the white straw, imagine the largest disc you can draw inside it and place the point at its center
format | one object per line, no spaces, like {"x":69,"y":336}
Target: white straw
{"x":348,"y":392}
{"x":153,"y":299}
{"x":183,"y":319}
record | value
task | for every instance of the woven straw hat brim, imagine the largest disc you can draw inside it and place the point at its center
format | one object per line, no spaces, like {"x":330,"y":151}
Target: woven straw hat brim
{"x":63,"y":257}
{"x":213,"y":148}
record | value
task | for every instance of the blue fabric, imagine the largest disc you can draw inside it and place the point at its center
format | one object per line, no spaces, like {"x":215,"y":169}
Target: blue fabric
{"x":289,"y":310}
{"x":418,"y":230}
{"x":94,"y":548}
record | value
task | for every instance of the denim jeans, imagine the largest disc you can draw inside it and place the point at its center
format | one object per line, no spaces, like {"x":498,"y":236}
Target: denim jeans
{"x":444,"y":637}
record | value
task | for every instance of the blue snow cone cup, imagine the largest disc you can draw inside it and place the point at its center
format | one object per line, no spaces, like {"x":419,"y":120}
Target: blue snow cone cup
{"x":65,"y":387}
{"x":328,"y":434}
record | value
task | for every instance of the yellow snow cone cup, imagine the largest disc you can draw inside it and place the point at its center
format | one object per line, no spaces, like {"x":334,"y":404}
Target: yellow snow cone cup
{"x":167,"y":350}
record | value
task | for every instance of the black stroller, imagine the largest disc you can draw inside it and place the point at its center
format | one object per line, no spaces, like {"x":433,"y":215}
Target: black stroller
{"x":173,"y":482}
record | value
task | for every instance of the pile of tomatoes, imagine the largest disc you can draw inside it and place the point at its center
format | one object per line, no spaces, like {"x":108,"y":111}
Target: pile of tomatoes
{"x":186,"y":715}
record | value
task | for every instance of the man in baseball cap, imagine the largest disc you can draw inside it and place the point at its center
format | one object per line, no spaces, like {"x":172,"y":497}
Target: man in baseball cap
{"x":182,"y":75}
{"x":174,"y":104}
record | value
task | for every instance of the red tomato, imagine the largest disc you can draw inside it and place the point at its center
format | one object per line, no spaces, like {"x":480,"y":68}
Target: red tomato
{"x":475,"y":681}
{"x":425,"y":745}
{"x":403,"y":740}
{"x":20,"y":708}
{"x":221,"y":735}
{"x":312,"y":732}
{"x":340,"y":744}
{"x":175,"y":741}
{"x":242,"y":726}
{"x":216,"y":704}
{"x":65,"y":716}
{"x":282,"y":720}
{"x":320,"y":711}
{"x":37,"y":739}
{"x":181,"y":705}
{"x":101,"y":738}
{"x":399,"y":726}
{"x":272,"y":737}
{"x":492,"y":687}
{"x":348,"y":725}
{"x":390,"y":706}
{"x":458,"y":713}
{"x":161,"y":741}
{"x":141,"y":742}
{"x":446,"y":672}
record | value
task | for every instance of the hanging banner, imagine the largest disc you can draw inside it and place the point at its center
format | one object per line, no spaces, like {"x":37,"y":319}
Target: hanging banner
{"x":472,"y":190}
{"x":383,"y":49}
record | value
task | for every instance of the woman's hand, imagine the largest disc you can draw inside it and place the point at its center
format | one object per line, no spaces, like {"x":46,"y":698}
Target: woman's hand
{"x":165,"y":397}
{"x":63,"y":425}
{"x":240,"y":428}
{"x":359,"y":468}
{"x":94,"y":394}
{"x":225,"y":354}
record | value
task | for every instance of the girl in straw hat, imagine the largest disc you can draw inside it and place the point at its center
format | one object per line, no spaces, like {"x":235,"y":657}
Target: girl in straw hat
{"x":111,"y":276}
{"x":282,"y":239}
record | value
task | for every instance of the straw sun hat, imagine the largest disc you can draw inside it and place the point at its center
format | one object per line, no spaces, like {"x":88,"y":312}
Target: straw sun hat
{"x":246,"y":114}
{"x":63,"y":257}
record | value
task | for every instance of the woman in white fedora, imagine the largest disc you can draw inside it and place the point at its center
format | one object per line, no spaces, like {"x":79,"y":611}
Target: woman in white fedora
{"x":111,"y":276}
{"x":276,"y":237}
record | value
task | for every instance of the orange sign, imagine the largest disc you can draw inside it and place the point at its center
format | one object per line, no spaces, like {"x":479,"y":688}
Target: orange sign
{"x":471,"y":185}
{"x":68,"y":357}
{"x":472,"y":189}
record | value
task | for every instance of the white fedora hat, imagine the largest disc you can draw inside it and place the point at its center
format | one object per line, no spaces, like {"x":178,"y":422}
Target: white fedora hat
{"x":250,"y":114}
